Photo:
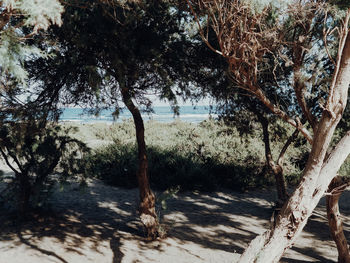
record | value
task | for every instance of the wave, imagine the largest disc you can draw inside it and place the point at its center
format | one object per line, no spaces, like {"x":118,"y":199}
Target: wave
{"x":161,"y":114}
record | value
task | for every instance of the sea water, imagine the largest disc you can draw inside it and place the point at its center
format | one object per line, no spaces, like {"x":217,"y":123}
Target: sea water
{"x":192,"y":114}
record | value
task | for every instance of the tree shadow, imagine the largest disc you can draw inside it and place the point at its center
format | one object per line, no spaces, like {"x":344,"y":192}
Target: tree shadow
{"x":115,"y":245}
{"x":321,"y":245}
{"x":35,"y":247}
{"x":103,"y":214}
{"x":311,"y":253}
{"x":75,"y":219}
{"x":101,"y":222}
{"x":221,"y":220}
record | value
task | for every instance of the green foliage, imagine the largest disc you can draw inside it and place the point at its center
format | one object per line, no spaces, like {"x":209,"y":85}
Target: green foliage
{"x":345,"y":168}
{"x":40,"y":14}
{"x":191,"y":156}
{"x":12,"y":55}
{"x":39,"y":155}
{"x":258,"y":5}
{"x":139,"y":45}
{"x":114,"y":159}
{"x":37,"y":13}
{"x":166,"y":195}
{"x":21,"y":19}
{"x":342,"y":4}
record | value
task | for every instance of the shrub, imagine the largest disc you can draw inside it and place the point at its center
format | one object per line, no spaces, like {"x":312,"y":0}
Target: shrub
{"x":39,"y":156}
{"x":193,"y":156}
{"x":115,"y":164}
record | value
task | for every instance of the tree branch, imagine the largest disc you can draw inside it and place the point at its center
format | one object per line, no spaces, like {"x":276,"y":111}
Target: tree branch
{"x":299,"y":89}
{"x":295,"y":123}
{"x":7,"y":161}
{"x":342,"y":43}
{"x":286,"y":145}
{"x":201,"y":31}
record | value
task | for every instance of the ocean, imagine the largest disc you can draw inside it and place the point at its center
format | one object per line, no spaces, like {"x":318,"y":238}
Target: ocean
{"x":161,"y":114}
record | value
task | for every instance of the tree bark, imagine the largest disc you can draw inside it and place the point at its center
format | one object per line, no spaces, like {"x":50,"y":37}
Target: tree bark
{"x":317,"y":175}
{"x":147,"y":210}
{"x":276,"y":168}
{"x":335,"y":189}
{"x":271,"y":244}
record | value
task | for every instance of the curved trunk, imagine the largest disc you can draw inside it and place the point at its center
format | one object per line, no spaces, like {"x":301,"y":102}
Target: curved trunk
{"x":318,"y":173}
{"x":277,"y":169}
{"x":147,"y":210}
{"x":336,"y":188}
{"x":269,"y":247}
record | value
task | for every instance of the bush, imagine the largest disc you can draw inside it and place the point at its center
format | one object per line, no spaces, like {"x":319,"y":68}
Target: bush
{"x":115,"y":164}
{"x":193,"y":156}
{"x":39,"y":156}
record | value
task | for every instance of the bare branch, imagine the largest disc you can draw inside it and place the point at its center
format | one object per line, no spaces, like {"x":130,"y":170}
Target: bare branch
{"x":325,"y":35}
{"x":286,"y":145}
{"x":343,"y":38}
{"x":201,"y":31}
{"x":244,"y":41}
{"x":7,"y":161}
{"x":276,"y":110}
{"x":300,"y":88}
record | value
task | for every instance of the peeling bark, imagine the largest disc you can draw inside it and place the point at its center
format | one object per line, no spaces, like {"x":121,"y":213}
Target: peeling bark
{"x":297,"y":210}
{"x":318,"y":172}
{"x":335,"y":189}
{"x":226,"y":22}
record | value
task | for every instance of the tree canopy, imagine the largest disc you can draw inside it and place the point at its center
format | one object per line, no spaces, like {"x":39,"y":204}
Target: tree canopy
{"x":19,"y":21}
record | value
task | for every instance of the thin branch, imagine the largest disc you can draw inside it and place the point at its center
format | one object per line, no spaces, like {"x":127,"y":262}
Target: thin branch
{"x":299,"y":89}
{"x":325,"y":34}
{"x":7,"y":161}
{"x":201,"y":32}
{"x":16,"y":161}
{"x":286,"y":145}
{"x":343,"y":36}
{"x":276,"y":110}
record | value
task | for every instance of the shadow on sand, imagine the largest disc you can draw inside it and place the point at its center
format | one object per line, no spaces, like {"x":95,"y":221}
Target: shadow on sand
{"x":219,"y":221}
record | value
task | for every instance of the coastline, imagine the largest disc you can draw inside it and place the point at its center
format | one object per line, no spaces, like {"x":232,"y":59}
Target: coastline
{"x":160,"y":114}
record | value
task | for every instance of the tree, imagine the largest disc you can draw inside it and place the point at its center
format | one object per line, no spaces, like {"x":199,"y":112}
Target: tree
{"x":112,"y":52}
{"x":239,"y":108}
{"x":335,"y":189}
{"x":19,"y":22}
{"x":244,"y":40}
{"x":35,"y":149}
{"x":235,"y":104}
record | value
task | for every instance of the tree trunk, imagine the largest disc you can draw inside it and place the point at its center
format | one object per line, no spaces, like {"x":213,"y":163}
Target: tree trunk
{"x":277,"y":169}
{"x":280,"y":184}
{"x":317,"y":175}
{"x":147,"y":210}
{"x":24,"y":194}
{"x":270,"y":246}
{"x":336,"y":188}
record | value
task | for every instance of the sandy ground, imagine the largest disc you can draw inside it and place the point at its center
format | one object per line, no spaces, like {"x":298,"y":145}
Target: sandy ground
{"x":99,"y":224}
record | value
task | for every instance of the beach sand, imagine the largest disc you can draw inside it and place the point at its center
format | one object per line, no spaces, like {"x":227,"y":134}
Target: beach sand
{"x":100,"y":224}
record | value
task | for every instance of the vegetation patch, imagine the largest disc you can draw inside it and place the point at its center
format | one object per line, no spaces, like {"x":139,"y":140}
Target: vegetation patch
{"x":200,"y":156}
